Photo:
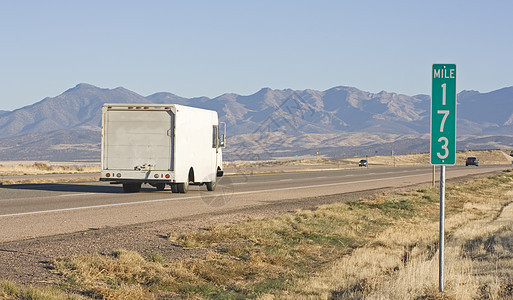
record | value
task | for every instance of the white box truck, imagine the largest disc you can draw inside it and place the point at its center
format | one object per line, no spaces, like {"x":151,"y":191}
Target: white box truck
{"x":161,"y":145}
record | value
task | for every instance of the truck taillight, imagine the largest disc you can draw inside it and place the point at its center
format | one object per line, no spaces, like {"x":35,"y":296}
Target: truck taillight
{"x":130,"y":107}
{"x":107,"y":175}
{"x":167,"y":176}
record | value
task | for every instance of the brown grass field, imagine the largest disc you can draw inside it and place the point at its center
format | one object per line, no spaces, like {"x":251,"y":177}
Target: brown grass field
{"x":24,"y":172}
{"x":486,"y":157}
{"x":384,"y":247}
{"x":11,"y":168}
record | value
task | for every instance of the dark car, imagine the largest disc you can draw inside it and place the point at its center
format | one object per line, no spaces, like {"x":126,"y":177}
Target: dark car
{"x":363,"y":163}
{"x":471,"y":161}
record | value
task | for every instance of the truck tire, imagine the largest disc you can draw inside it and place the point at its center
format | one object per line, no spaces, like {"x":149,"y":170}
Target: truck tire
{"x":160,"y":186}
{"x":182,"y":187}
{"x":131,"y":187}
{"x":211,"y":186}
{"x":174,"y":188}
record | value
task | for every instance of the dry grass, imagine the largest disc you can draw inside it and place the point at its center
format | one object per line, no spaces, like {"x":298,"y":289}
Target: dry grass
{"x":39,"y":168}
{"x":9,"y":290}
{"x":48,"y":180}
{"x":402,"y":262}
{"x":379,"y":248}
{"x":486,"y":157}
{"x":20,"y":170}
{"x":245,"y":167}
{"x":120,"y":276}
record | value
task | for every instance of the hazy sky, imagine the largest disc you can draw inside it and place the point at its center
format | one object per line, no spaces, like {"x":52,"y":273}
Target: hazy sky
{"x":207,"y":48}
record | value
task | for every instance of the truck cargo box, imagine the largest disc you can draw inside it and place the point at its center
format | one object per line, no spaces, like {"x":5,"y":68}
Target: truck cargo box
{"x":160,"y":145}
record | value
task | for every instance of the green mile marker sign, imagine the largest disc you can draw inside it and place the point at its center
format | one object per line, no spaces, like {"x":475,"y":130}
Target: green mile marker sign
{"x":443,"y":114}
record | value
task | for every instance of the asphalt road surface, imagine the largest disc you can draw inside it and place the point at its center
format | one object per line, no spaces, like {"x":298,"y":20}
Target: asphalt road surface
{"x":36,"y":210}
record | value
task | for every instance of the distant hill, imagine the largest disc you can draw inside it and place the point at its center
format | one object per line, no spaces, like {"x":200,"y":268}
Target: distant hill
{"x":487,"y":113}
{"x":338,"y":121}
{"x":59,"y":145}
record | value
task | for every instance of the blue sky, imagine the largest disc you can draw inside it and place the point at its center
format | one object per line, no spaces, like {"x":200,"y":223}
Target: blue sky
{"x":207,"y":48}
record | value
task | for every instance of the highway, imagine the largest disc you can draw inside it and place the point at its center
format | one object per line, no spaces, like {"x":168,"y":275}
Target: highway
{"x":36,"y":210}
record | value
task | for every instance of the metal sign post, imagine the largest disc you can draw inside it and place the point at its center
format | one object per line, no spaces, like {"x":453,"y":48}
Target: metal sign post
{"x":443,"y":138}
{"x":442,"y":230}
{"x":434,"y":176}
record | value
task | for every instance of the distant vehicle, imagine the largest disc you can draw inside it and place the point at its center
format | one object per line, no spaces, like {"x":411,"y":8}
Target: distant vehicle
{"x":160,"y":144}
{"x":363,"y":163}
{"x":471,"y":161}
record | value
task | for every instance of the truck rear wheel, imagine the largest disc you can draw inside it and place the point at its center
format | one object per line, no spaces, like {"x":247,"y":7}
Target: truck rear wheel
{"x":211,"y":186}
{"x":182,"y":187}
{"x":131,"y":187}
{"x":174,"y":188}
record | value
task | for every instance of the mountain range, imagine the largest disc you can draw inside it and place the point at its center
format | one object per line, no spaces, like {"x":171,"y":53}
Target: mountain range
{"x":341,"y":121}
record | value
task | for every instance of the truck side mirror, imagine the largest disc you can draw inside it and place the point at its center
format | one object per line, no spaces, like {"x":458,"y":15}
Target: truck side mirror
{"x":222,"y":136}
{"x":221,"y":140}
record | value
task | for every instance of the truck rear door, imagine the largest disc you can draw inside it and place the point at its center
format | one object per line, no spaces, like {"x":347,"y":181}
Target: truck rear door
{"x":138,"y":138}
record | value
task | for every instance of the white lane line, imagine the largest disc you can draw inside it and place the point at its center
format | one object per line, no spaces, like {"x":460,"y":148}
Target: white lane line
{"x":322,"y":177}
{"x":285,"y":179}
{"x":206,"y":196}
{"x":82,"y":194}
{"x":237,"y":183}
